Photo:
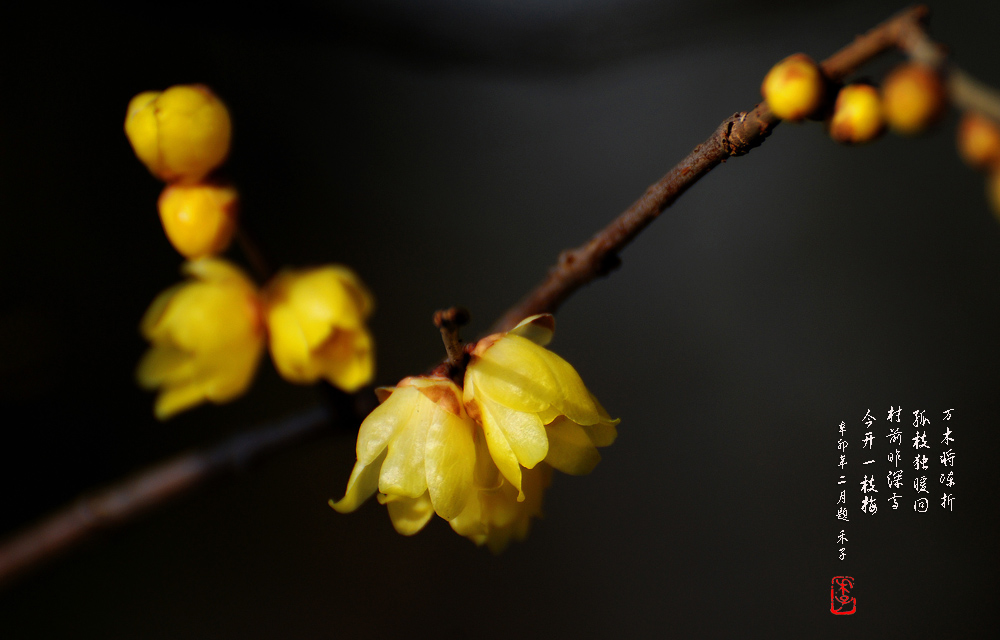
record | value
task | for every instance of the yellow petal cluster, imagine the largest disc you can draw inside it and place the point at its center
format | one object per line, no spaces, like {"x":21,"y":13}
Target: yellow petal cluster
{"x":199,"y":219}
{"x":482,"y":457}
{"x":418,"y":450}
{"x":496,"y":516}
{"x":207,"y":337}
{"x":182,"y":133}
{"x":532,"y":404}
{"x":316,"y":322}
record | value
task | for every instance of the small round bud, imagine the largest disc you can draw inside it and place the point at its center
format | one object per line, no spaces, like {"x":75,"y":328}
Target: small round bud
{"x":913,"y":98}
{"x":857,"y":115}
{"x":180,"y":134}
{"x":793,"y":88}
{"x":979,"y":141}
{"x":199,"y":219}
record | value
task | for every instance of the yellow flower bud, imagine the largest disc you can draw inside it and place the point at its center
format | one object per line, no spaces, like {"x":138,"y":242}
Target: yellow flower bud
{"x":532,"y":404}
{"x":979,"y":141}
{"x":913,"y":98}
{"x":418,"y":449}
{"x":199,"y":219}
{"x":207,"y":337}
{"x":857,"y":115}
{"x":316,"y":322}
{"x":180,"y":134}
{"x":793,"y":88}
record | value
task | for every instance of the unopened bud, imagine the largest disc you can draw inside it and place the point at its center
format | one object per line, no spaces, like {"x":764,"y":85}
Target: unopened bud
{"x":913,"y":98}
{"x":793,"y":88}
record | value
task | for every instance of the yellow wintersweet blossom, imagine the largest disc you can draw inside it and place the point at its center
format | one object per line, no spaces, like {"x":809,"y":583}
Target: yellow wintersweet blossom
{"x":199,"y":219}
{"x":496,"y":516}
{"x":532,"y":404}
{"x":179,"y":134}
{"x":316,"y":322}
{"x":207,"y":337}
{"x":418,"y":450}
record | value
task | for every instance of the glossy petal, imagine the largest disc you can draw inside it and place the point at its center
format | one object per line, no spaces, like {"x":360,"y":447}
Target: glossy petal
{"x":382,"y":424}
{"x":409,"y":515}
{"x":403,"y":471}
{"x":539,"y":328}
{"x":500,"y":450}
{"x":450,"y":461}
{"x":570,"y":448}
{"x":361,"y":485}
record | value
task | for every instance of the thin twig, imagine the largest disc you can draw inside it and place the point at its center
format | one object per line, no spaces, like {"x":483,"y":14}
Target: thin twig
{"x":449,"y":321}
{"x":736,"y":136}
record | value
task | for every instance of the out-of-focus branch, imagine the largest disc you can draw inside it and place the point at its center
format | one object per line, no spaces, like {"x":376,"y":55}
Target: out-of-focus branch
{"x":736,"y":136}
{"x":149,"y":488}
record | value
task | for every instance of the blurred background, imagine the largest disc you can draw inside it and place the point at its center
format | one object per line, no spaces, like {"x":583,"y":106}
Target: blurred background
{"x":447,"y":151}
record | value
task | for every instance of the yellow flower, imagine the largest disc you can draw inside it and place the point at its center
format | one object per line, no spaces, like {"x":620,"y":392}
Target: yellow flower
{"x":496,"y":516}
{"x":199,"y":219}
{"x":179,"y":134}
{"x":316,"y":321}
{"x":418,"y":450}
{"x":532,"y":404}
{"x":207,"y":337}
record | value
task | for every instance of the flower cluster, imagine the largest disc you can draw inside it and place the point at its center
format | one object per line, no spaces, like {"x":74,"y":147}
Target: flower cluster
{"x":208,"y":333}
{"x":480,"y":456}
{"x":912,"y":99}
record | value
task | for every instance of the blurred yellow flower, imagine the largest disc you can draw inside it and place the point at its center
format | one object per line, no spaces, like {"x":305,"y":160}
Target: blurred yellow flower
{"x":532,"y":404}
{"x":207,"y":337}
{"x":199,"y":219}
{"x":495,"y":516}
{"x":418,"y":450}
{"x":182,"y":133}
{"x":316,"y":322}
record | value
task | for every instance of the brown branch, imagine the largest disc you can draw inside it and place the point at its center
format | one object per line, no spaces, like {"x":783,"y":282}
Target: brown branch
{"x":148,"y":488}
{"x":122,"y":501}
{"x":736,"y":136}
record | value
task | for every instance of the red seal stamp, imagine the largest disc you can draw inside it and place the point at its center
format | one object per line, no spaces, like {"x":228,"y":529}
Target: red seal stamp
{"x":842,"y":603}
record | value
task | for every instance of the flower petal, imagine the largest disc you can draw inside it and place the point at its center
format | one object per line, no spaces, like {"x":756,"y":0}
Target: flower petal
{"x":382,"y":423}
{"x":514,"y":372}
{"x":403,"y":473}
{"x":570,"y":448}
{"x":524,"y":432}
{"x":449,"y":462}
{"x":361,"y":485}
{"x":538,"y":328}
{"x":409,"y":515}
{"x":501,"y":451}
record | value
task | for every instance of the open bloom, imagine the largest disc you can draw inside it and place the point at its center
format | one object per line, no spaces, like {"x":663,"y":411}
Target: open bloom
{"x":418,"y":450}
{"x":532,"y":404}
{"x":206,"y":335}
{"x":316,"y":322}
{"x":179,"y":134}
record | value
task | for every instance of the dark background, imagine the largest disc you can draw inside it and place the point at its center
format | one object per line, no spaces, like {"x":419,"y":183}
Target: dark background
{"x":448,"y":151}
